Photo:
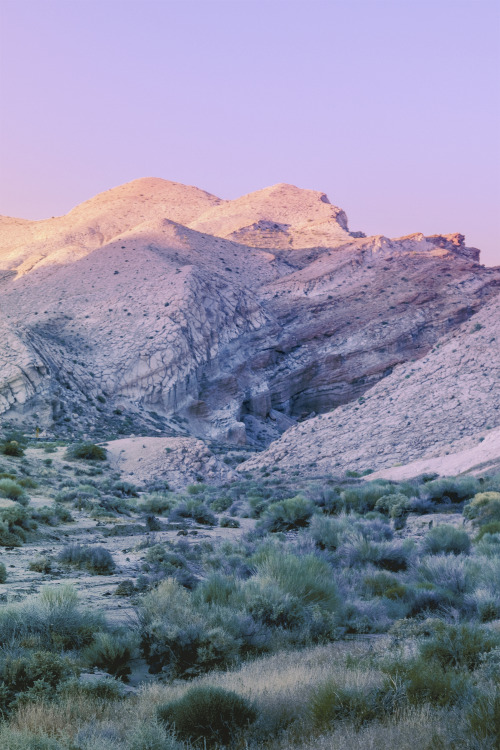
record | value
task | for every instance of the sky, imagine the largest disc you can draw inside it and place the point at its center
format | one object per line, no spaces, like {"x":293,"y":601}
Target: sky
{"x":391,"y":107}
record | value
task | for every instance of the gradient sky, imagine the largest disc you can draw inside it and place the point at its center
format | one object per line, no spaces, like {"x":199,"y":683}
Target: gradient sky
{"x":392,"y":107}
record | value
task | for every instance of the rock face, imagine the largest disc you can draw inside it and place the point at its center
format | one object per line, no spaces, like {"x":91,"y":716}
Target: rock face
{"x":446,"y":403}
{"x":158,"y":307}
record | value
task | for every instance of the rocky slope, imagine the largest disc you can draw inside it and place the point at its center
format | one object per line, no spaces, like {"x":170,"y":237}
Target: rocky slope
{"x":156,"y":307}
{"x":442,"y":413}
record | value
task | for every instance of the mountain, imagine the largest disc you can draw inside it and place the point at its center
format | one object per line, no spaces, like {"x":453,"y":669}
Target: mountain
{"x":157,"y":308}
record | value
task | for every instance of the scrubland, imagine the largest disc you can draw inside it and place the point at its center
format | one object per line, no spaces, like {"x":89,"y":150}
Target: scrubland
{"x":269,"y":612}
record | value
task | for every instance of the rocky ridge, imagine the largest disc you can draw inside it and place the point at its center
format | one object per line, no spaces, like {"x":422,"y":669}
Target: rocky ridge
{"x":161,"y":309}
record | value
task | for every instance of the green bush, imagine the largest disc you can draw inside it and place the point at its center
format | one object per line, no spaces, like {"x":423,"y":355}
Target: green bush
{"x":14,"y":523}
{"x":291,"y":513}
{"x":41,"y":565}
{"x":455,"y":489}
{"x":86,"y":452}
{"x":13,"y":739}
{"x":53,"y":618}
{"x":111,"y":652}
{"x":208,"y":715}
{"x":177,"y":635}
{"x":52,"y":515}
{"x":10,"y":489}
{"x":394,"y":505}
{"x":157,"y":504}
{"x":459,"y":646}
{"x":482,"y":720}
{"x":327,"y":532}
{"x":193,"y":508}
{"x":363,"y":497}
{"x":307,"y":578}
{"x":221,"y":504}
{"x":492,"y":527}
{"x":95,"y":559}
{"x":428,"y":682}
{"x":484,"y":508}
{"x":12,"y":448}
{"x":447,"y":539}
{"x":384,"y":584}
{"x":229,"y":523}
{"x":332,"y":702}
{"x":150,"y":735}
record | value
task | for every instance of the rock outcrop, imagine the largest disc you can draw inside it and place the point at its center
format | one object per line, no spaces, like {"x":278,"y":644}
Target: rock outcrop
{"x":441,"y":413}
{"x":179,"y":461}
{"x":159,"y":308}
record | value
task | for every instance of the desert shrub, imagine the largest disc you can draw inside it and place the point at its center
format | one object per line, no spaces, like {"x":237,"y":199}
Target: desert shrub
{"x":22,"y":672}
{"x":333,"y":702}
{"x":390,"y":555}
{"x":95,"y":559}
{"x":428,"y":682}
{"x":193,"y":508}
{"x":451,"y":572}
{"x":455,"y":489}
{"x":491,"y":528}
{"x":271,"y":607}
{"x":307,"y":578}
{"x":196,"y":489}
{"x":179,"y":637}
{"x":459,"y":646}
{"x":489,"y":544}
{"x":27,"y":483}
{"x":54,"y":617}
{"x":125,"y":588}
{"x":14,"y":523}
{"x":229,"y":523}
{"x":111,"y":505}
{"x":394,"y":505}
{"x":157,"y":503}
{"x":41,"y":565}
{"x":111,"y":652}
{"x":121,"y":488}
{"x":482,"y":719}
{"x":363,"y":497}
{"x":384,"y":584}
{"x":52,"y":515}
{"x":10,"y":489}
{"x":100,"y":689}
{"x":484,"y":508}
{"x":327,"y":532}
{"x":150,"y":735}
{"x":12,"y":448}
{"x":287,"y":514}
{"x":19,"y":739}
{"x":485,"y":603}
{"x":425,"y":597}
{"x":3,"y":573}
{"x":86,"y":452}
{"x":208,"y":715}
{"x":447,"y":539}
{"x":221,"y":504}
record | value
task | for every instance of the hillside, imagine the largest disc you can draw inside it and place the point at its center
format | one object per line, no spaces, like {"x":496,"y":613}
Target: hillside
{"x":446,"y":403}
{"x":160,"y":309}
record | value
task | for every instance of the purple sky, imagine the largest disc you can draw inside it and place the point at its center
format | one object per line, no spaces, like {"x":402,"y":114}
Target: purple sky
{"x":392,"y":107}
